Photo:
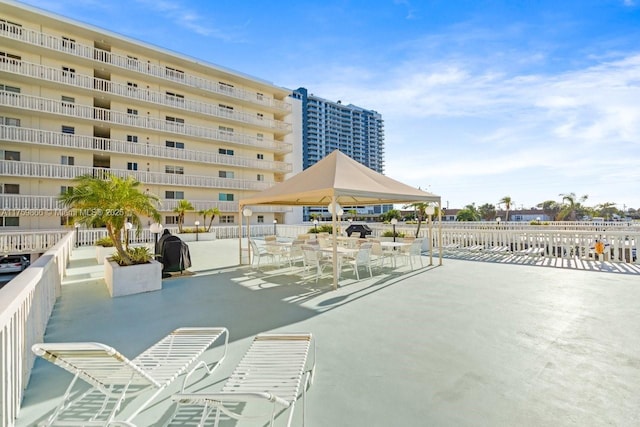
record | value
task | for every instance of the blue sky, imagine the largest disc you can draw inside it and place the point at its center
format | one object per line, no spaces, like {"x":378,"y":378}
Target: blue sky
{"x":481,"y":99}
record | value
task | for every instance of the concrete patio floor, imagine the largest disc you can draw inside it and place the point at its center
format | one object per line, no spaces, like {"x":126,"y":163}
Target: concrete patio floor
{"x":464,"y":344}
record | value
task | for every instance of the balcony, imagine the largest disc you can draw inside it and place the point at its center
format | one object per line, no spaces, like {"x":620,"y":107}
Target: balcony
{"x":58,"y":76}
{"x":56,"y":139}
{"x":53,"y":171}
{"x":55,"y":43}
{"x":86,"y":112}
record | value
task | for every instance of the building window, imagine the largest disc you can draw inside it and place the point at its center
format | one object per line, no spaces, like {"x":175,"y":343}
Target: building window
{"x":174,"y":144}
{"x":132,"y":166}
{"x":260,"y":219}
{"x":174,"y":73}
{"x":175,"y":97}
{"x":7,"y":88}
{"x":176,"y":170}
{"x":226,"y":219}
{"x":132,"y":138}
{"x":260,"y":136}
{"x":11,"y":155}
{"x":225,"y":174}
{"x":225,"y":130}
{"x":10,"y":221}
{"x":68,"y":101}
{"x":171,"y":220}
{"x":67,"y":160}
{"x":132,"y":111}
{"x":11,"y":188}
{"x":10,"y":27}
{"x":10,"y":58}
{"x":68,"y":129}
{"x":225,"y":197}
{"x":260,"y":156}
{"x":225,"y":107}
{"x":260,"y":116}
{"x":132,"y":61}
{"x":66,"y":189}
{"x":65,"y":220}
{"x":68,"y":43}
{"x":259,"y":96}
{"x":174,"y":120}
{"x":225,"y":151}
{"x":225,"y":87}
{"x":175,"y":195}
{"x":260,"y":177}
{"x":10,"y":121}
{"x":131,"y":86}
{"x":68,"y":72}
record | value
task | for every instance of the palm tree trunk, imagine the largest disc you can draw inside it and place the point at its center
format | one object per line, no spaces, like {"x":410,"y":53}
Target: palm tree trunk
{"x":116,"y":237}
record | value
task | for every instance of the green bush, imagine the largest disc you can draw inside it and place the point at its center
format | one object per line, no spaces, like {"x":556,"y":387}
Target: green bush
{"x":138,"y":255}
{"x":105,"y":242}
{"x":324,"y":228}
{"x":389,"y":233}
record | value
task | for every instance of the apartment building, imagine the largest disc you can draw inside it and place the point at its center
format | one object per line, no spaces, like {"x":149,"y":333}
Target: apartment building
{"x":355,"y":131}
{"x":76,"y":99}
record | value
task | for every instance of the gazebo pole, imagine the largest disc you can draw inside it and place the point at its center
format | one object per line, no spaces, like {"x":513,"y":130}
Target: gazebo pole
{"x":440,"y":231}
{"x":240,"y":235}
{"x":335,"y":243}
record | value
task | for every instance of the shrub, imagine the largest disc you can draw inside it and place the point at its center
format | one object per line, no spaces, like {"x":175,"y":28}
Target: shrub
{"x":389,"y":233}
{"x":324,"y":228}
{"x":105,"y":242}
{"x":138,"y":255}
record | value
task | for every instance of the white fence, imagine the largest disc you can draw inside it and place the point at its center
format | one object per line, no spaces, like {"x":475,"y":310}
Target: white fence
{"x":26,"y":303}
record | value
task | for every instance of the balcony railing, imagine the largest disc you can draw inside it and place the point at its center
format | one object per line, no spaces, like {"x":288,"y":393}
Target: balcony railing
{"x":26,"y":303}
{"x":56,"y":75}
{"x":86,"y":112}
{"x":42,"y":137}
{"x":56,"y":43}
{"x":47,"y":170}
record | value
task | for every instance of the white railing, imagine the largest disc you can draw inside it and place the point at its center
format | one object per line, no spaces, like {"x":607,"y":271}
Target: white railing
{"x":88,"y":112}
{"x":56,"y":139}
{"x":30,"y":241}
{"x":47,"y":170}
{"x":26,"y":303}
{"x":57,"y":75}
{"x":57,"y":44}
{"x":544,"y":225}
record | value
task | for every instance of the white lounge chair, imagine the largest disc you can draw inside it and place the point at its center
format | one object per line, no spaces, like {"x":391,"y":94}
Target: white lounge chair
{"x":115,"y":378}
{"x":271,"y":372}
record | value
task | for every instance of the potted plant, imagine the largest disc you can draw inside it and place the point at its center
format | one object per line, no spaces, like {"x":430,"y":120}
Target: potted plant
{"x":104,"y":248}
{"x":112,"y":202}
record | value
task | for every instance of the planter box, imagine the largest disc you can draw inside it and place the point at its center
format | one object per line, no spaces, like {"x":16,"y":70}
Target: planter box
{"x":102,"y":253}
{"x":202,"y":237}
{"x":132,"y":279}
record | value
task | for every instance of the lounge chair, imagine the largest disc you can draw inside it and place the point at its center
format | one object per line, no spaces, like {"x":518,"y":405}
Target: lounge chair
{"x":270,"y":373}
{"x":115,"y":378}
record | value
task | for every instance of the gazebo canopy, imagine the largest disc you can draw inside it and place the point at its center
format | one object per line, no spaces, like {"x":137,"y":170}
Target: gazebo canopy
{"x":339,"y":176}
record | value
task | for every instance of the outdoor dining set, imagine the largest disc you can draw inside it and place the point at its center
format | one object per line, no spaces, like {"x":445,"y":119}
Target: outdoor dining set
{"x":313,"y":254}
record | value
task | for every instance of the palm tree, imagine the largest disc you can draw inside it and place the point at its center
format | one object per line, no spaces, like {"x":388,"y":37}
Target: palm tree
{"x":209,"y":212}
{"x":570,"y":206}
{"x":469,"y":213}
{"x":551,"y":208}
{"x":110,"y":202}
{"x":606,"y":209}
{"x":181,"y":210}
{"x":506,"y":201}
{"x":487,"y":212}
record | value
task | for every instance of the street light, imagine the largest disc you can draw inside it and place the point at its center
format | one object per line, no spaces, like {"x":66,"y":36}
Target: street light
{"x":429,"y":210}
{"x":275,"y":222}
{"x":156,"y":228}
{"x":127,"y":226}
{"x":394,"y":221}
{"x":197,"y":223}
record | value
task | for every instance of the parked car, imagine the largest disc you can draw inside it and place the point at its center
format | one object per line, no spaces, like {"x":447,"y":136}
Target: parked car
{"x":363,"y":229}
{"x":13,"y":263}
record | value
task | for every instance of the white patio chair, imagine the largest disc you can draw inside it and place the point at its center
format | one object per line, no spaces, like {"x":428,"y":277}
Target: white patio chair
{"x":114,"y":378}
{"x":362,"y":258}
{"x":258,"y":252}
{"x":314,"y":260}
{"x":295,"y":252}
{"x":270,"y":373}
{"x":379,"y":255}
{"x":411,"y":251}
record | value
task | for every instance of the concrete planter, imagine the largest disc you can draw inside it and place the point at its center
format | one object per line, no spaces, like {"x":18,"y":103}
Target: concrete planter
{"x":132,"y":279}
{"x":202,"y":237}
{"x":103,"y":252}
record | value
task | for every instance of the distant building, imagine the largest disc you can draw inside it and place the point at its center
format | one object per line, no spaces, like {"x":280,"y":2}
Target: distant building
{"x":355,"y":131}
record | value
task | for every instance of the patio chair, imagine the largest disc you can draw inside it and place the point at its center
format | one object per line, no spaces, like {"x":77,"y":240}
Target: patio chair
{"x":314,"y":260}
{"x":411,"y":251}
{"x":379,"y":255}
{"x":270,"y":373}
{"x":362,"y":258}
{"x":295,"y":252}
{"x":114,"y":378}
{"x":258,"y":252}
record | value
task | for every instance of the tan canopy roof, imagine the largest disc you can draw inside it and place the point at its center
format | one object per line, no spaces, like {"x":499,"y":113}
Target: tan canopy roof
{"x":339,"y":176}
